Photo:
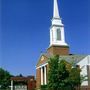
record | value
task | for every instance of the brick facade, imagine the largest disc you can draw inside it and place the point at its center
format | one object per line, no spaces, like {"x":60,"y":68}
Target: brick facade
{"x":54,"y":50}
{"x":38,"y":77}
{"x":58,"y":50}
{"x":43,"y":59}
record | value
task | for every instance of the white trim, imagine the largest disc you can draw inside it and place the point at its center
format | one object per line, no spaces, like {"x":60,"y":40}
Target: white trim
{"x":45,"y":75}
{"x":11,"y":84}
{"x":42,"y":76}
{"x":41,"y":66}
{"x":56,"y":10}
{"x":88,"y":57}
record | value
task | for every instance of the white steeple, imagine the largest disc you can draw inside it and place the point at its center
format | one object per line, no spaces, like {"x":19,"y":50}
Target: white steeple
{"x":56,"y":11}
{"x":57,"y":37}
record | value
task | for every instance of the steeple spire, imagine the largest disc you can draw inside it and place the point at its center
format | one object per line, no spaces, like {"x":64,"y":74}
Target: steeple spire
{"x":57,"y":36}
{"x":56,"y":10}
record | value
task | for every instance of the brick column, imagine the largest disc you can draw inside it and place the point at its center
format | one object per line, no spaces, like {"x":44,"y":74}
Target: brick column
{"x":38,"y":78}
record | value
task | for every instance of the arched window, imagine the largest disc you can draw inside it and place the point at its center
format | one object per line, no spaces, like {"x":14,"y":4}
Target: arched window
{"x":58,"y":34}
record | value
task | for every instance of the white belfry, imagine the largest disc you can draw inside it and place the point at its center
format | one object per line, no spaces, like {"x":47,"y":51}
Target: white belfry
{"x":57,"y":36}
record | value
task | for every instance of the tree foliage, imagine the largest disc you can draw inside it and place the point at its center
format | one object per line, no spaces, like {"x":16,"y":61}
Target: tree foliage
{"x":53,"y":73}
{"x":62,"y":74}
{"x":4,"y":78}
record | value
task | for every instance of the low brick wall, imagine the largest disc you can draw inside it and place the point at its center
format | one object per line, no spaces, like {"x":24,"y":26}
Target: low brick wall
{"x":68,"y":88}
{"x":85,"y":88}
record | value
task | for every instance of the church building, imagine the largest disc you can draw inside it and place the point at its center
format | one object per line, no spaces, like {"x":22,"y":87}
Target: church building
{"x":58,"y":46}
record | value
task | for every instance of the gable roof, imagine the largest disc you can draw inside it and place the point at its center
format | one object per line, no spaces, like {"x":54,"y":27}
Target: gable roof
{"x":40,"y":62}
{"x":69,"y":58}
{"x":73,"y":58}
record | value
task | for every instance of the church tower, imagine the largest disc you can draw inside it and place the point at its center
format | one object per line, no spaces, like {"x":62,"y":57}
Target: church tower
{"x":57,"y":36}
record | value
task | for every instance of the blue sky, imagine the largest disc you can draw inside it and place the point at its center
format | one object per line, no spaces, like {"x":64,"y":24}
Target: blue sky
{"x":24,"y":31}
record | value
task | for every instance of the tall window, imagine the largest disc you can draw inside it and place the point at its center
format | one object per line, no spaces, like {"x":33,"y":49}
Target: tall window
{"x":58,"y":34}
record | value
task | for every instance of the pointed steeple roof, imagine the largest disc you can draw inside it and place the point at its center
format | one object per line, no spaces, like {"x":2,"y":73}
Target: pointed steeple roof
{"x":56,"y":10}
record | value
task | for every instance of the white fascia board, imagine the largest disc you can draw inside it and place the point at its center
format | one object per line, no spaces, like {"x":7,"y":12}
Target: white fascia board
{"x":41,"y":65}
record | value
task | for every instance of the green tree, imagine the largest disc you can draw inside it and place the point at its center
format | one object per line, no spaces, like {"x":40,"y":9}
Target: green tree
{"x":74,"y":78}
{"x":4,"y":78}
{"x":62,"y":74}
{"x":53,"y":73}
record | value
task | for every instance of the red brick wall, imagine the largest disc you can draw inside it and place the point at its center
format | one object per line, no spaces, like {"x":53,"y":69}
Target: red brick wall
{"x":38,"y":78}
{"x":31,"y":85}
{"x":84,"y":88}
{"x":59,"y":50}
{"x":55,"y":50}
